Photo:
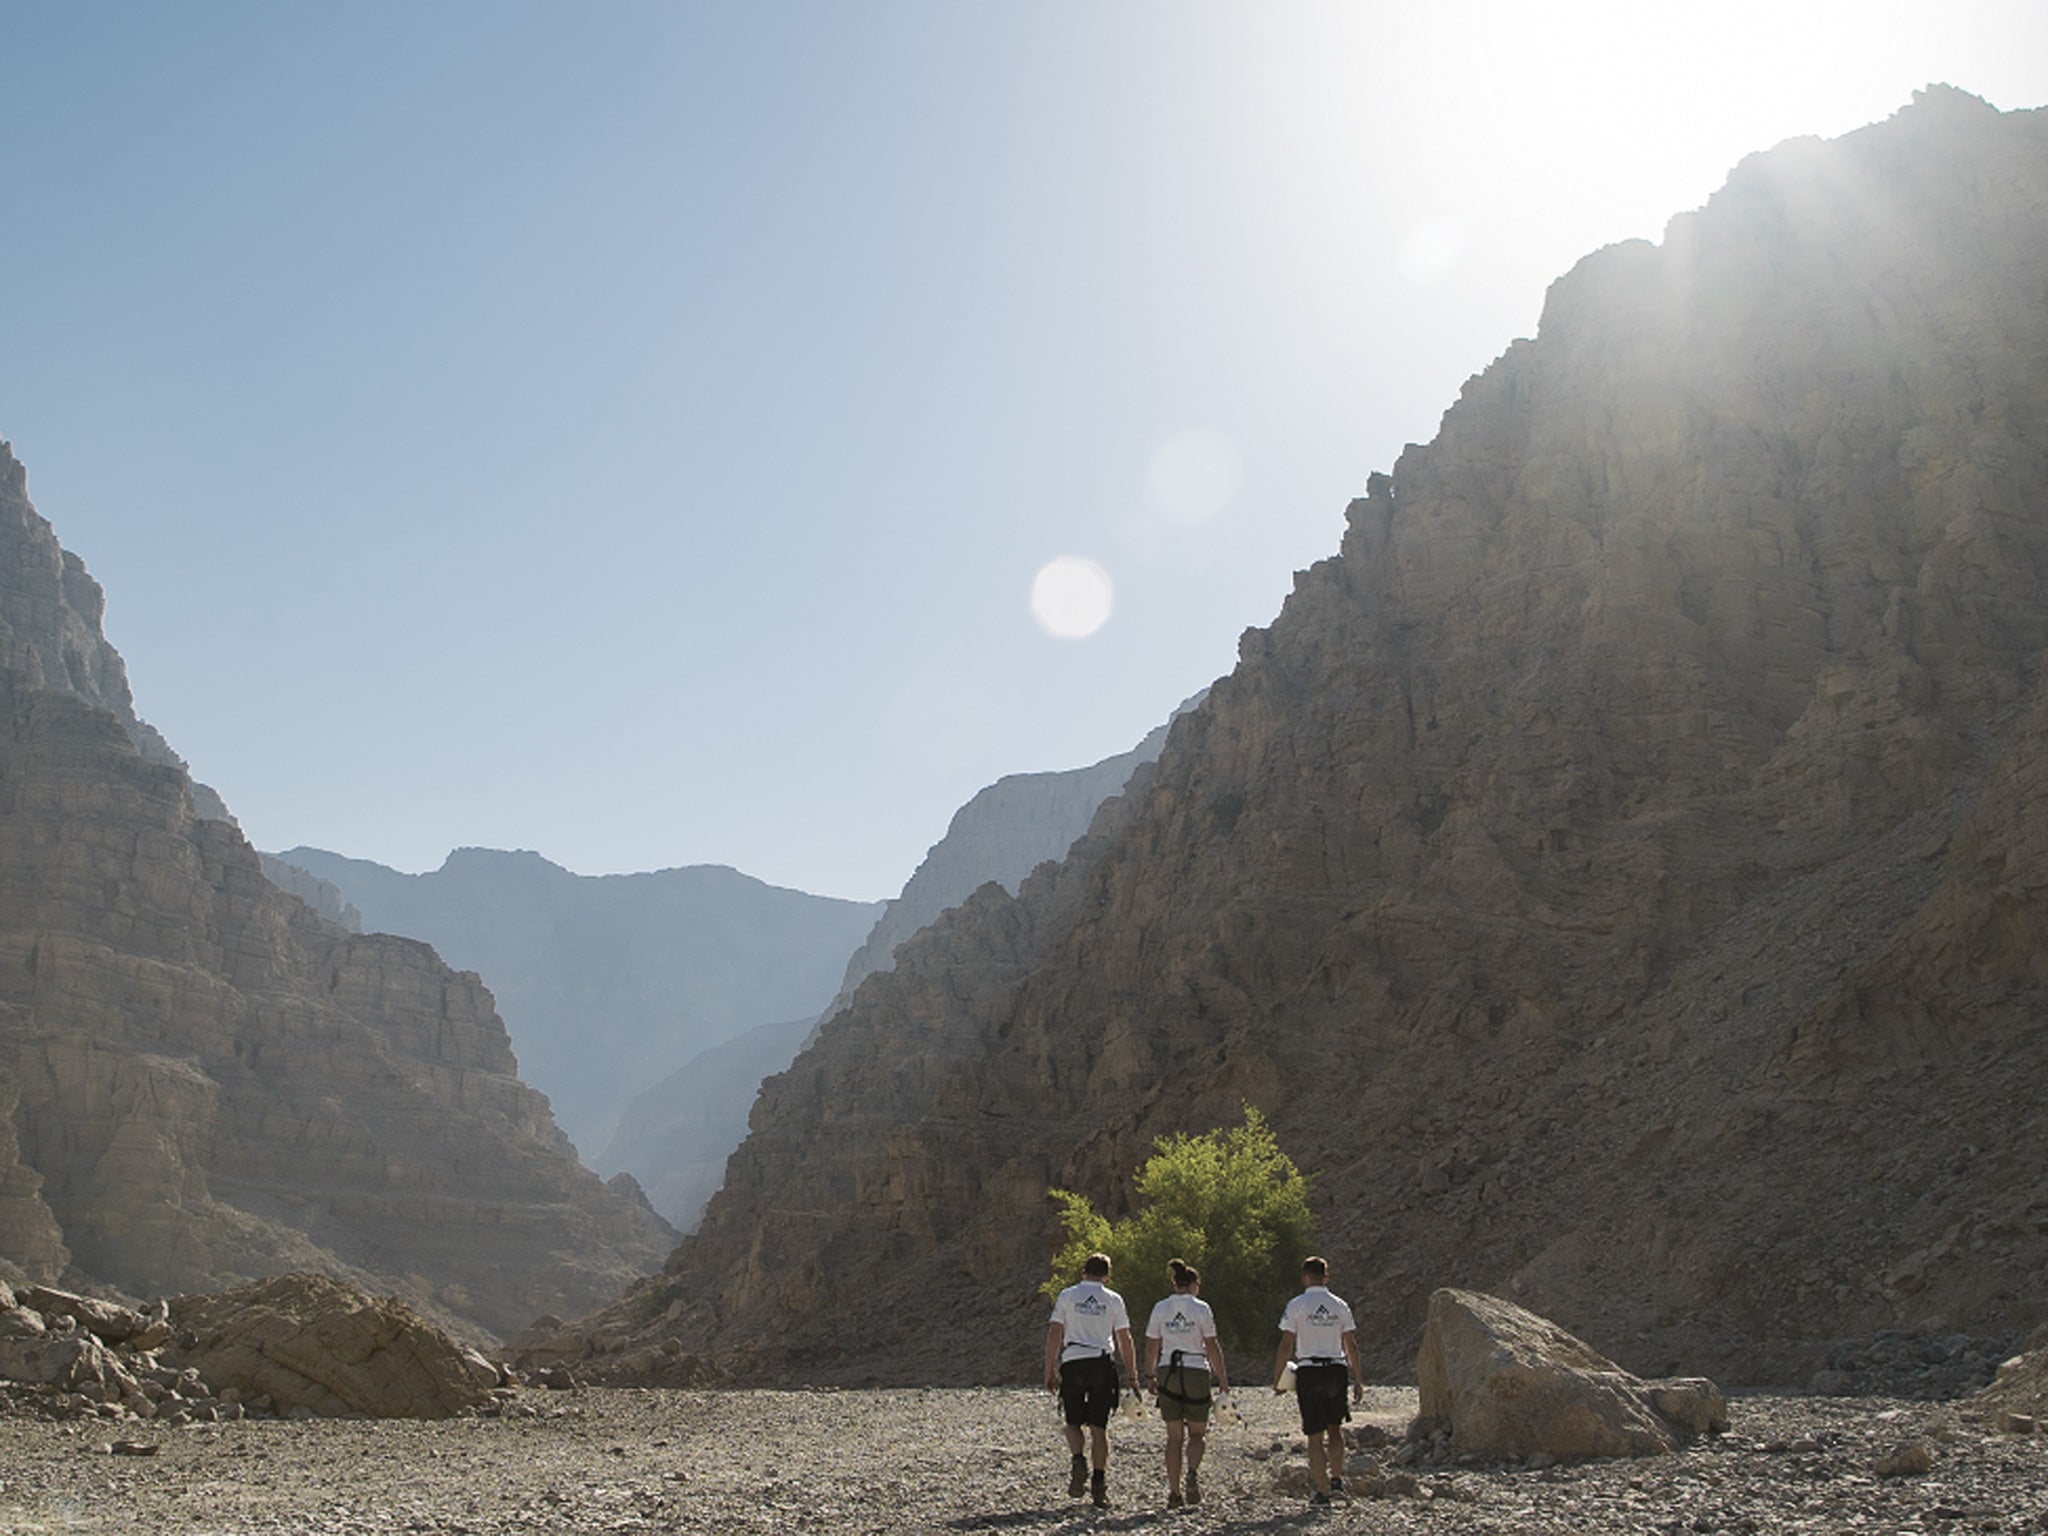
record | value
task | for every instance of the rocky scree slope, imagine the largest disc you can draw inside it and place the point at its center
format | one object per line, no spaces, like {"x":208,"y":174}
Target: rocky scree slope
{"x":1619,"y":872}
{"x":202,"y":1081}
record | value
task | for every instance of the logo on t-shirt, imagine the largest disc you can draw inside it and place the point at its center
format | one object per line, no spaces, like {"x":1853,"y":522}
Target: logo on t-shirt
{"x":1091,"y":1306}
{"x":1322,"y":1317}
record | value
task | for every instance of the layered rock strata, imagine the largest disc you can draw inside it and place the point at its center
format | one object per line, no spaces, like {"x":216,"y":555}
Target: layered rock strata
{"x":203,"y":1081}
{"x":1618,"y":872}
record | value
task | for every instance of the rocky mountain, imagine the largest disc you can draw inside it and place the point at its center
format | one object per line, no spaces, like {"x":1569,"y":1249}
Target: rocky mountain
{"x":685,"y":1126}
{"x":202,"y":1080}
{"x":320,"y":895}
{"x":1619,"y":872}
{"x":1001,"y":835}
{"x":610,"y":982}
{"x":50,"y":614}
{"x":676,"y":1135}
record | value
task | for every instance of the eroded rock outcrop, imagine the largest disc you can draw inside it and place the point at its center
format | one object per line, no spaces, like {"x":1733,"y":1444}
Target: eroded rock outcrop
{"x":1618,"y":870}
{"x":308,"y":1344}
{"x":202,"y":1081}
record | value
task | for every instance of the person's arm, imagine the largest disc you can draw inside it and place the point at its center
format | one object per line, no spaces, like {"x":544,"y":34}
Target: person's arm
{"x":1357,"y":1375}
{"x":1152,"y":1358}
{"x":1055,"y":1340}
{"x":1129,"y":1354}
{"x":1215,"y":1353}
{"x":1286,"y":1354}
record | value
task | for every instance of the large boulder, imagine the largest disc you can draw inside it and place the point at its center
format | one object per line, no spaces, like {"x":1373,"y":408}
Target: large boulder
{"x":74,"y":1360}
{"x":2017,"y":1402}
{"x":107,"y":1321}
{"x":307,"y":1342}
{"x":1509,"y":1383}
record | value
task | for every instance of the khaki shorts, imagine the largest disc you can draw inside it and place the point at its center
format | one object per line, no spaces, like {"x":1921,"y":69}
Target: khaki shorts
{"x":1184,"y":1393}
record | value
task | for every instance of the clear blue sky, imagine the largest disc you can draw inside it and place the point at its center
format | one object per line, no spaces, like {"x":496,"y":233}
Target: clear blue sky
{"x":631,"y":431}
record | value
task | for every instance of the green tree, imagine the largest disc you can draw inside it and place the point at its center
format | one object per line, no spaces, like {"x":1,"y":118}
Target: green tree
{"x":1229,"y":1202}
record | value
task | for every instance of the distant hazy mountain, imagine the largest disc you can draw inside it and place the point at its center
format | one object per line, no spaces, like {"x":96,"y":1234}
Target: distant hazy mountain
{"x":687,"y":1124}
{"x":676,"y":1135}
{"x":609,"y":982}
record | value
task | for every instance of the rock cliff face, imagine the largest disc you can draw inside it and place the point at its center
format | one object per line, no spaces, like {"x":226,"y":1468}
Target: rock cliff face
{"x":1620,"y":871}
{"x":50,"y":613}
{"x":202,"y":1081}
{"x":1001,"y":835}
{"x":610,"y":981}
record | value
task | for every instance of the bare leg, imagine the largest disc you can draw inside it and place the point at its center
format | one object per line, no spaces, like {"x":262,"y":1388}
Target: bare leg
{"x":1318,"y":1474}
{"x":1198,"y":1442}
{"x":1073,"y":1439}
{"x":1099,"y":1438}
{"x":1336,"y":1456}
{"x":1174,"y":1430}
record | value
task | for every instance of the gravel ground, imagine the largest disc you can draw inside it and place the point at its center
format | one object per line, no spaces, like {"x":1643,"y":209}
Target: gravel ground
{"x":972,"y":1460}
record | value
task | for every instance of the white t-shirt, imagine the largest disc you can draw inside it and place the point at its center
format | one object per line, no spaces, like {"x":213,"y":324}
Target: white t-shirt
{"x":1182,"y":1322}
{"x":1318,"y":1321}
{"x":1091,"y":1313}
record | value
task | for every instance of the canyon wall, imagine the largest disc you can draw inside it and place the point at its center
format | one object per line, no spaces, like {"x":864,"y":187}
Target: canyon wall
{"x":202,"y":1080}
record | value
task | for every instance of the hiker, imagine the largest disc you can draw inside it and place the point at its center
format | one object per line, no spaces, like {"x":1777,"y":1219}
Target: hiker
{"x":1090,"y":1332}
{"x":1317,"y":1333}
{"x":1183,"y":1328}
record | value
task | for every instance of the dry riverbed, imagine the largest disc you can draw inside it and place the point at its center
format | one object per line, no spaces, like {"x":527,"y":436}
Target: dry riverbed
{"x":965,"y":1461}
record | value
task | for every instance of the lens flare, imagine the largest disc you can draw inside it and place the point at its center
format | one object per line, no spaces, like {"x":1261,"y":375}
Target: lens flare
{"x":1071,"y":597}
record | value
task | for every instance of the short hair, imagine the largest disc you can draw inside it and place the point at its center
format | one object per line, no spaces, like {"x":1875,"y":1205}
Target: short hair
{"x":1096,"y":1266}
{"x":1184,"y":1273}
{"x":1314,"y":1265}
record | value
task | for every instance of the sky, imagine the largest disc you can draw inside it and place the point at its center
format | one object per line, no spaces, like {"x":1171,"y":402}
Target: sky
{"x":682,"y":433}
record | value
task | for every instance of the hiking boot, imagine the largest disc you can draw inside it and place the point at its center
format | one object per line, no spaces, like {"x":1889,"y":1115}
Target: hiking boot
{"x":1077,"y":1478}
{"x":1099,"y":1491}
{"x":1194,"y":1487}
{"x":1336,"y":1485}
{"x":1173,"y":1499}
{"x":1319,"y":1498}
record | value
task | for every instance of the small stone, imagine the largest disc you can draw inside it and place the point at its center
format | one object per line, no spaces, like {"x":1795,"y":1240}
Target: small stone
{"x":1913,"y":1458}
{"x":131,"y":1448}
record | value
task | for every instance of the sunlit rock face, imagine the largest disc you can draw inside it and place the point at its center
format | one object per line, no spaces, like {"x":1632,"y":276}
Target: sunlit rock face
{"x":1618,"y":872}
{"x":201,"y":1080}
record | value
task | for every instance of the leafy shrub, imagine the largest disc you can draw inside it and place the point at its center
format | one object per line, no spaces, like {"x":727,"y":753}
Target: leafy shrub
{"x":1229,"y":1202}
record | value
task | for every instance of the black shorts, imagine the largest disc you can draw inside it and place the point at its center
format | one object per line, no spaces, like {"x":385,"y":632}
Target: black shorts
{"x":1324,"y":1394}
{"x":1088,"y":1390}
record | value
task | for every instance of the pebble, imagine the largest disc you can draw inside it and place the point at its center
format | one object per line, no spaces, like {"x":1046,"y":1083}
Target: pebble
{"x":982,"y":1460}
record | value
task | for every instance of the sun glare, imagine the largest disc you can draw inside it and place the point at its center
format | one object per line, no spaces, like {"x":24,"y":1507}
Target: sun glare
{"x":1071,"y":597}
